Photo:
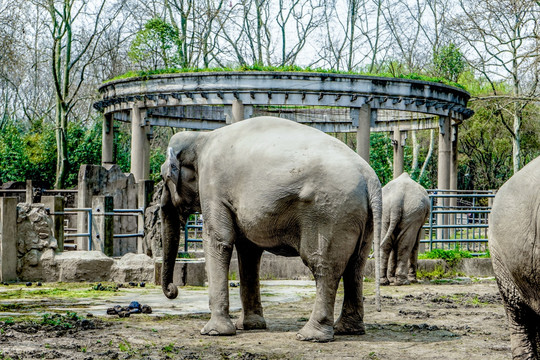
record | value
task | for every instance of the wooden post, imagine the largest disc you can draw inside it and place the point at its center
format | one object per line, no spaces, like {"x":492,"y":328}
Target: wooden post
{"x":144,"y":197}
{"x":103,"y":224}
{"x":8,"y":239}
{"x":55,"y":206}
{"x":29,"y":192}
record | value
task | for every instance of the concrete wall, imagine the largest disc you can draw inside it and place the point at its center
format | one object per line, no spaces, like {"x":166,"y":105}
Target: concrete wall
{"x":96,"y":180}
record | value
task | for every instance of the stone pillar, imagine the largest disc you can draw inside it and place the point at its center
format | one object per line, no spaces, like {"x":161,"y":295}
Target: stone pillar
{"x":398,"y":142}
{"x":443,"y":169}
{"x":84,"y":201}
{"x":362,"y":117}
{"x":454,"y":174}
{"x":140,"y":145}
{"x":103,"y":224}
{"x":8,"y":239}
{"x":107,"y":141}
{"x":29,"y":192}
{"x":55,"y":207}
{"x":144,"y":197}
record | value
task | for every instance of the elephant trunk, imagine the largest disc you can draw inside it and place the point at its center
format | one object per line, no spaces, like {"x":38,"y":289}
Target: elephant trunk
{"x":170,"y":234}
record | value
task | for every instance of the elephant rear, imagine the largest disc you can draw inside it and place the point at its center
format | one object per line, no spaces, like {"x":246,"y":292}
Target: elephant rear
{"x":514,"y":244}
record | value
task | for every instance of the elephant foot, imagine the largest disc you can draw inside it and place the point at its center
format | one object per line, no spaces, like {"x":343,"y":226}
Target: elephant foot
{"x":315,"y":333}
{"x":219,"y":327}
{"x":400,"y":282}
{"x":251,"y":322}
{"x":384,"y":281}
{"x":413,"y":280}
{"x":349,"y":326}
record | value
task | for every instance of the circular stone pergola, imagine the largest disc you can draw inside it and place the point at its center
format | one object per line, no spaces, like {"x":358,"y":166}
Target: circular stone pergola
{"x":329,"y":102}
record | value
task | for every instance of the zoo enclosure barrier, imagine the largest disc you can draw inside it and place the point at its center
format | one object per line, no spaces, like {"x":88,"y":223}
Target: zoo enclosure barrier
{"x":98,"y":231}
{"x":457,"y":219}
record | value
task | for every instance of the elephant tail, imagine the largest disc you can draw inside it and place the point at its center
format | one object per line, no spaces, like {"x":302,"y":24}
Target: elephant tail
{"x":375,"y":202}
{"x":394,"y":220}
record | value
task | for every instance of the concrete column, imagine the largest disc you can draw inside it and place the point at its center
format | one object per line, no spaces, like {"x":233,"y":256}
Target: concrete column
{"x":398,"y":142}
{"x":29,"y":192}
{"x":362,"y":117}
{"x":107,"y":141}
{"x":103,"y":224}
{"x":144,"y":197}
{"x":55,"y":206}
{"x":454,"y":173}
{"x":445,"y":153}
{"x":454,"y":159}
{"x":443,"y":169}
{"x":140,"y":145}
{"x":8,"y":239}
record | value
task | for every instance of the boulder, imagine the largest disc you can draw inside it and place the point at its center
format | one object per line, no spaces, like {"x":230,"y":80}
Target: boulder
{"x":133,"y":267}
{"x":83,"y":266}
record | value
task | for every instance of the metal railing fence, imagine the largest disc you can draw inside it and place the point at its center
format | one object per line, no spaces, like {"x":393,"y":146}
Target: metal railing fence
{"x":458,"y":219}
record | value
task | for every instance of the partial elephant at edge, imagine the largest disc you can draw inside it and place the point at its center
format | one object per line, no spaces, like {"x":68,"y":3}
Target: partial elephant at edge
{"x":514,"y":244}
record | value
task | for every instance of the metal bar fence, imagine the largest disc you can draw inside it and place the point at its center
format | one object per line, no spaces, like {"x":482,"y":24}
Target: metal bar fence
{"x":460,"y":223}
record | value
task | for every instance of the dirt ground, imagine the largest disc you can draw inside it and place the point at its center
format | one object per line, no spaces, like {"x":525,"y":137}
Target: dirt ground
{"x":460,"y":320}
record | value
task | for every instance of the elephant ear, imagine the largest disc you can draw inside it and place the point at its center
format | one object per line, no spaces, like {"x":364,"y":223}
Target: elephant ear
{"x":171,"y":168}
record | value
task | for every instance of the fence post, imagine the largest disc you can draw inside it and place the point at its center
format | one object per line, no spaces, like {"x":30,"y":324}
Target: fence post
{"x":144,"y":197}
{"x":103,"y":224}
{"x":29,"y":192}
{"x":55,"y":205}
{"x":8,"y":239}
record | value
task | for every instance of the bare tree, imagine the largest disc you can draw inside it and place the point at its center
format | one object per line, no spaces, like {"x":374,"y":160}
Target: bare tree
{"x":75,"y":28}
{"x":503,"y":45}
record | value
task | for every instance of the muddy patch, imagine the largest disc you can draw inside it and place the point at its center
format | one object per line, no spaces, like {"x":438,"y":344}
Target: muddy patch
{"x":421,"y":321}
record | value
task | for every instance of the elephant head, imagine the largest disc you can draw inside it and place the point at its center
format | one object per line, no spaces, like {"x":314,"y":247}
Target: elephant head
{"x":179,"y":199}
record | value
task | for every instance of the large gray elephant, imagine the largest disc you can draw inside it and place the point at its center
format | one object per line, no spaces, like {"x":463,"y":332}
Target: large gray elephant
{"x":514,"y":244}
{"x":273,"y":184}
{"x":405,"y":210}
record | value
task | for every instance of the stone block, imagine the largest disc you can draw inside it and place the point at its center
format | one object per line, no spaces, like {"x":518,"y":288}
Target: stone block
{"x":90,"y":266}
{"x":133,"y":267}
{"x":187,"y":272}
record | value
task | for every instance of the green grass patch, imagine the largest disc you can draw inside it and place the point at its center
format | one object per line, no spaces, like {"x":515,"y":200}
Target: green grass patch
{"x":147,"y":74}
{"x":439,"y":273}
{"x":57,"y":290}
{"x":452,"y":257}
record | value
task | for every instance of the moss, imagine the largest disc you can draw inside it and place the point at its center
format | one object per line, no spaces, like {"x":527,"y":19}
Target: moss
{"x":147,"y":74}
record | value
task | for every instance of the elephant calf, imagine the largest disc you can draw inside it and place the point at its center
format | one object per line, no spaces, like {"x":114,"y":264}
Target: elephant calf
{"x":514,"y":243}
{"x":405,"y":210}
{"x":273,"y":184}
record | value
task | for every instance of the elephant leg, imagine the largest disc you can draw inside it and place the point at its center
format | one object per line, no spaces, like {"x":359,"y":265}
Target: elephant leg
{"x":404,"y":247}
{"x":524,"y":323}
{"x":392,"y":266}
{"x":351,"y":319}
{"x":249,"y":257}
{"x":326,"y":251}
{"x":320,"y":327}
{"x":386,"y":249}
{"x":218,"y":243}
{"x":413,"y":260}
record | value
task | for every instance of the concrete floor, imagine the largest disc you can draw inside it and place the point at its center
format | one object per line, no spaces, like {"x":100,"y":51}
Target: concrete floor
{"x":194,"y":300}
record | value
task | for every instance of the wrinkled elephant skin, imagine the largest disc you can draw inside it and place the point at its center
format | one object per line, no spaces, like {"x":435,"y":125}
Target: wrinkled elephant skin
{"x":272,"y":184}
{"x":405,"y":210}
{"x":514,"y":244}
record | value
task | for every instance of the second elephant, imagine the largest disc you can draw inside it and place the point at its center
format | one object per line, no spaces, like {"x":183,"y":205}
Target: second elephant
{"x":405,"y":210}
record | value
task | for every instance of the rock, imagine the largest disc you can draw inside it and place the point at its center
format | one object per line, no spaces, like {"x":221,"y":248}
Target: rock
{"x":84,"y":266}
{"x":133,"y":268}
